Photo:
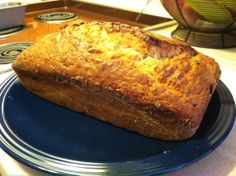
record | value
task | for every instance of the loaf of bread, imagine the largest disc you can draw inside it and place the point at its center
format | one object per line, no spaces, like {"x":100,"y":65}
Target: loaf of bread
{"x":117,"y":73}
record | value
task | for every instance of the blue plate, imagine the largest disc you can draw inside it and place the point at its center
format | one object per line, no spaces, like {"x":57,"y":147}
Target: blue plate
{"x":51,"y":138}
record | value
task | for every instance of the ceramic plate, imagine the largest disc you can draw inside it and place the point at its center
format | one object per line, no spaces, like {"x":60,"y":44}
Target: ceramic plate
{"x":51,"y":138}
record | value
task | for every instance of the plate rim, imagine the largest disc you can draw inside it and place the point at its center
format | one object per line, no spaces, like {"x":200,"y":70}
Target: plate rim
{"x":102,"y":168}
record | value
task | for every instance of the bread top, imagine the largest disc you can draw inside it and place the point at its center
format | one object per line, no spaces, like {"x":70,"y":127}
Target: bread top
{"x":143,"y":68}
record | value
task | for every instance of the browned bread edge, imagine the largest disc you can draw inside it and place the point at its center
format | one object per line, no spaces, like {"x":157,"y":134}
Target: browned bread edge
{"x":126,"y":109}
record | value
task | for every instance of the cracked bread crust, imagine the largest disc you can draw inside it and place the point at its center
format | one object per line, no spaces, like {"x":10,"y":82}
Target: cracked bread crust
{"x":118,"y":73}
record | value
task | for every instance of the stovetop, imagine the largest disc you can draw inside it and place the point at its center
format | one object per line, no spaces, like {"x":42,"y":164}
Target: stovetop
{"x":36,"y":25}
{"x":56,"y":17}
{"x":11,"y":31}
{"x":8,"y":52}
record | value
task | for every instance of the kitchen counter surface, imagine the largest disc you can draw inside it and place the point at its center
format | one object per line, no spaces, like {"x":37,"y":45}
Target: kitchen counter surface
{"x":221,"y":162}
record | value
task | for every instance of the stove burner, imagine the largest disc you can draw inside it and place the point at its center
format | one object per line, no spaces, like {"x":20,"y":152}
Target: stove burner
{"x":9,"y":52}
{"x":56,"y":17}
{"x":11,"y":31}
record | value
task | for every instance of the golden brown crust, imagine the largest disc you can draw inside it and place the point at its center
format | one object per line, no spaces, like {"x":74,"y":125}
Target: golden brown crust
{"x":166,"y":81}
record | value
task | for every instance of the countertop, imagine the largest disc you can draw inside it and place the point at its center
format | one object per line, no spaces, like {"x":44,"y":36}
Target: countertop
{"x":221,"y":162}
